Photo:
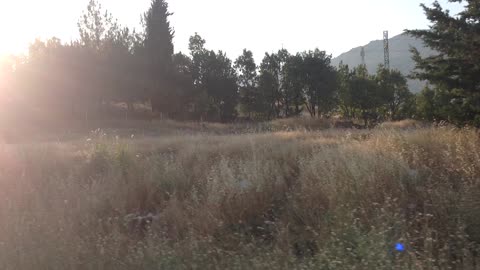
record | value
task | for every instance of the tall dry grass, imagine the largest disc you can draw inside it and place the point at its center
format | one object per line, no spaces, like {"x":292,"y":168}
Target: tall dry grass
{"x":265,"y":200}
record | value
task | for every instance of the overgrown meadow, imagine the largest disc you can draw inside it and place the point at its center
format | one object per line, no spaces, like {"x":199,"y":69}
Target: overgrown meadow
{"x":271,"y":196}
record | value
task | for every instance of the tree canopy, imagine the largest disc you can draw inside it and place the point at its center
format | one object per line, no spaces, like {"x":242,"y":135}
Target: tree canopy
{"x":110,"y":64}
{"x":455,"y":70}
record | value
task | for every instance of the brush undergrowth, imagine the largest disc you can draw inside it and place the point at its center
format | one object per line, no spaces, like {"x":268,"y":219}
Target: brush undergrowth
{"x":268,"y":200}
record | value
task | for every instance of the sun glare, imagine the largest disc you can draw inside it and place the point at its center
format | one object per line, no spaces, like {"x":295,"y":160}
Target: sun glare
{"x":21,"y":21}
{"x":11,"y":28}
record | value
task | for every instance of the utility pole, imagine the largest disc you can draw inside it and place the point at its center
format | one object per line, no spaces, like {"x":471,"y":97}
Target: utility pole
{"x":386,"y":50}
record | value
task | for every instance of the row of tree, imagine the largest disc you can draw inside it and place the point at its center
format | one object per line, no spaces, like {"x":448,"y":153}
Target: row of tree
{"x":110,"y":63}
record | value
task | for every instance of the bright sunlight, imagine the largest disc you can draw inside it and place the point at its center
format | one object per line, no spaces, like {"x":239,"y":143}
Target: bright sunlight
{"x":14,"y":32}
{"x":21,"y":21}
{"x":215,"y":134}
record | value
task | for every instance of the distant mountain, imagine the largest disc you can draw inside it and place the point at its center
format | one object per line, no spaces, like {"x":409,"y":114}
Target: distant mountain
{"x":400,"y":56}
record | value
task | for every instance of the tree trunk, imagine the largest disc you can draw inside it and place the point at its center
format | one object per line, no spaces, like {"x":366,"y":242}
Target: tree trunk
{"x":393,"y":112}
{"x":365,"y":119}
{"x":287,"y":108}
{"x":311,"y":109}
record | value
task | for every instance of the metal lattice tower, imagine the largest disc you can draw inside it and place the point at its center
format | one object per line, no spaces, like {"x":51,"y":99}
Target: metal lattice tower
{"x":386,"y":50}
{"x":362,"y":54}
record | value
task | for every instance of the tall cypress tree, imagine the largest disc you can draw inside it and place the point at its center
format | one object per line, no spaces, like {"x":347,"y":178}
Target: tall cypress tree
{"x":159,"y":54}
{"x":455,"y":70}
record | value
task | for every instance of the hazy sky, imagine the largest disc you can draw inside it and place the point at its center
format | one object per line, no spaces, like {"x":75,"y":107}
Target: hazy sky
{"x":229,"y":25}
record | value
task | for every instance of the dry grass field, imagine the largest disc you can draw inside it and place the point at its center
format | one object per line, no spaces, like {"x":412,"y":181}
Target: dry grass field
{"x":276,"y":195}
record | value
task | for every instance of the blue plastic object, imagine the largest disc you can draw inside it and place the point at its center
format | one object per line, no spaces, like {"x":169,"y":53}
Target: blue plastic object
{"x":399,"y":247}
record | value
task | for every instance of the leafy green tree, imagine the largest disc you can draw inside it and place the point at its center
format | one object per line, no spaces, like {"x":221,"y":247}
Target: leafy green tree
{"x":197,"y":50}
{"x":394,"y":92}
{"x":366,"y":95}
{"x":124,"y":70}
{"x":346,"y":103}
{"x":182,"y":84}
{"x":222,"y":86}
{"x":294,"y":82}
{"x":159,"y":54}
{"x":438,"y":104}
{"x":455,"y":70}
{"x":247,"y":81}
{"x":269,"y":85}
{"x":215,"y":82}
{"x":276,"y":84}
{"x":425,"y":103}
{"x":320,"y":83}
{"x":286,"y":96}
{"x":97,"y":30}
{"x":139,"y":81}
{"x":288,"y":82}
{"x":96,"y":26}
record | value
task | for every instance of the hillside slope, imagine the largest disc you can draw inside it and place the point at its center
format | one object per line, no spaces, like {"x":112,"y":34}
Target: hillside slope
{"x":400,"y":56}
